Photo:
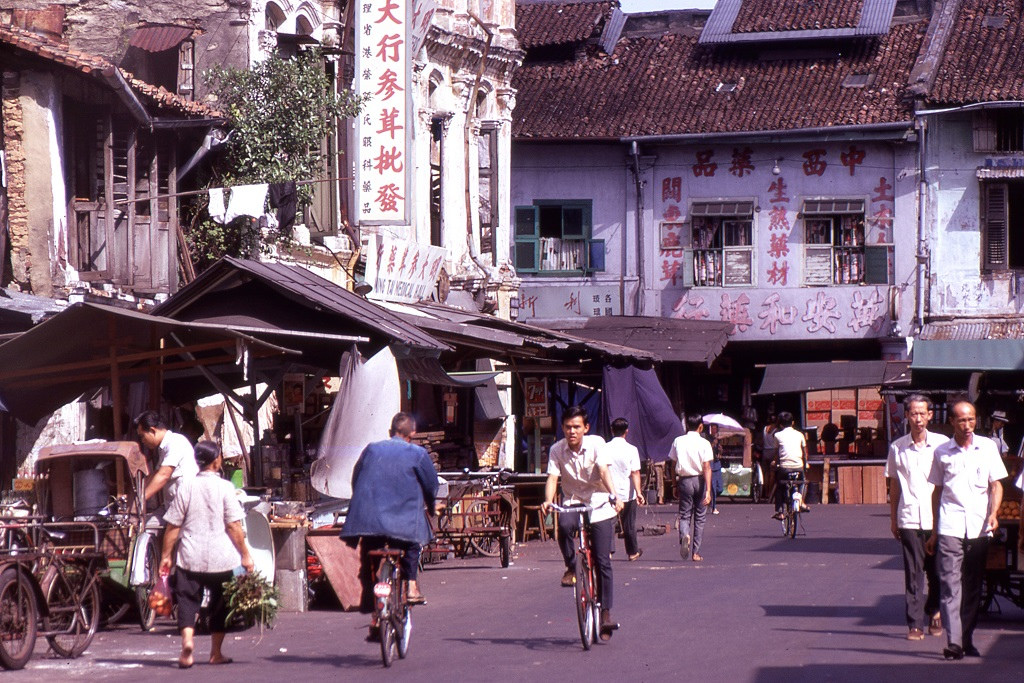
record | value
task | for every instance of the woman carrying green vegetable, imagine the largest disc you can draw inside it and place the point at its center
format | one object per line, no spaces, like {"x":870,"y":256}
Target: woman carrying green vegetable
{"x":207,"y":518}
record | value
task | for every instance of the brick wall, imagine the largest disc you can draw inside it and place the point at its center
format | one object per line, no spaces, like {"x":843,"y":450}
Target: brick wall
{"x":13,"y":144}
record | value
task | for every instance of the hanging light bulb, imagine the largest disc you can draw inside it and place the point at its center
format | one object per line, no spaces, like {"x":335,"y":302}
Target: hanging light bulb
{"x":775,"y":169}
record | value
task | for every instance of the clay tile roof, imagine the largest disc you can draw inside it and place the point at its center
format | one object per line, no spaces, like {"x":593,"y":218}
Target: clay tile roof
{"x":93,"y":65}
{"x":984,"y":59}
{"x":669,"y":86}
{"x":796,"y":15}
{"x":541,"y":24}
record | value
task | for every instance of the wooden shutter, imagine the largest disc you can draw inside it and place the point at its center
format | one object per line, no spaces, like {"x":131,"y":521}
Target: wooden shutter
{"x":994,"y":220}
{"x":984,"y":132}
{"x":527,"y":246}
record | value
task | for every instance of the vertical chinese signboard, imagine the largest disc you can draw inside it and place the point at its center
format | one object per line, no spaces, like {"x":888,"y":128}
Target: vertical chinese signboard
{"x":384,"y":130}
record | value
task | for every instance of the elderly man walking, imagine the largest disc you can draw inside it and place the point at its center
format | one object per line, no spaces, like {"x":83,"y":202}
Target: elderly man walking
{"x":910,"y":515}
{"x":965,"y":472}
{"x":692,"y":456}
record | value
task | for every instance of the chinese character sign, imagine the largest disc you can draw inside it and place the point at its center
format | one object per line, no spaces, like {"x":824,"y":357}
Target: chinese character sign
{"x":382,"y":73}
{"x":400,"y":270}
{"x":535,"y":395}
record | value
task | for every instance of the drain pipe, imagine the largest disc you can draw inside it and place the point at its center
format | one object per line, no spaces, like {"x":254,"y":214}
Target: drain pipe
{"x":922,"y":245}
{"x":638,"y":307}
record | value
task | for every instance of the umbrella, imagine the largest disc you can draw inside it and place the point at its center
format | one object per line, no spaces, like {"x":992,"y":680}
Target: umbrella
{"x":722,"y":420}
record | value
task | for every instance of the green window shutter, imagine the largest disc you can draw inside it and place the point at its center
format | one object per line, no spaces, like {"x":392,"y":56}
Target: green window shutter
{"x":876,"y":265}
{"x":595,"y":256}
{"x":574,"y":225}
{"x":995,"y":219}
{"x":526,"y":221}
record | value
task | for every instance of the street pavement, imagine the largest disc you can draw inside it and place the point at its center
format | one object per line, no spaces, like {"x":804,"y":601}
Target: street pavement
{"x":826,"y":606}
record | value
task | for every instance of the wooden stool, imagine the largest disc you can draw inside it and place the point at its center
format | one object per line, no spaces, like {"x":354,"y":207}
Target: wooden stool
{"x":534,"y":521}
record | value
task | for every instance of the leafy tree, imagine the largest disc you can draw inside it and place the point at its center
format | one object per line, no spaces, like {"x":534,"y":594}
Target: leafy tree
{"x":279,"y":112}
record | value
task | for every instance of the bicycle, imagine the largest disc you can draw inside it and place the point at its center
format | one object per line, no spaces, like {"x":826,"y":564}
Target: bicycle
{"x":588,"y":604}
{"x":69,"y":577}
{"x":392,"y":611}
{"x":794,"y":498}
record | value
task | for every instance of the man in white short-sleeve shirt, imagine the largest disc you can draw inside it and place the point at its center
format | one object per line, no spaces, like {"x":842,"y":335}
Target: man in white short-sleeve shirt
{"x":176,"y":459}
{"x":965,"y":472}
{"x":910,"y":515}
{"x":573,"y":461}
{"x":623,"y":461}
{"x":792,"y":460}
{"x":692,"y":455}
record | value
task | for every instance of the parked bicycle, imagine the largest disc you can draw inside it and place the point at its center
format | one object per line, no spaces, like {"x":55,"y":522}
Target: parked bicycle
{"x":476,"y":517}
{"x":392,"y":611}
{"x":794,"y":498}
{"x":588,"y":604}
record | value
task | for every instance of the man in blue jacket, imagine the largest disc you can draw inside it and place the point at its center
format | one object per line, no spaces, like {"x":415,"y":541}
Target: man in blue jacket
{"x":392,"y":482}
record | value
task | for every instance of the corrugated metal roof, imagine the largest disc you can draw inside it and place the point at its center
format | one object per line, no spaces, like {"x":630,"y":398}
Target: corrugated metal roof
{"x":670,"y":339}
{"x":875,"y":19}
{"x":787,"y":378}
{"x":996,"y":172}
{"x":305,"y":287}
{"x":159,"y":38}
{"x":973,"y":329}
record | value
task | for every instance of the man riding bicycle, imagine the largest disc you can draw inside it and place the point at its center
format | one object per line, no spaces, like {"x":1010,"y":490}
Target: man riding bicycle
{"x":392,"y":482}
{"x":792,"y":460}
{"x":585,"y":479}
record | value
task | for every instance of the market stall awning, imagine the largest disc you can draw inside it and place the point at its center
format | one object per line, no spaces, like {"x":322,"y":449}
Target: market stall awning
{"x":429,"y":371}
{"x":788,"y":378}
{"x":86,"y":345}
{"x":253,"y":294}
{"x":685,"y":341}
{"x":968,"y":354}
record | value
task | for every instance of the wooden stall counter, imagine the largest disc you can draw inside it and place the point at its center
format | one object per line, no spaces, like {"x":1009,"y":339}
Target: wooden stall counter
{"x":854,"y":481}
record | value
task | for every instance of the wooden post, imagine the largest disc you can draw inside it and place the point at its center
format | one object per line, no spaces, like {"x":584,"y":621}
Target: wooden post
{"x":824,"y":482}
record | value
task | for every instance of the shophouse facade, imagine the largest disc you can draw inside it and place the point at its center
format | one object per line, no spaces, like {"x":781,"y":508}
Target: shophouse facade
{"x":752,"y":165}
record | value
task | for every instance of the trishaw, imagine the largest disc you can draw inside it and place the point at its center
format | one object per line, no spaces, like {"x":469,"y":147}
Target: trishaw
{"x":741,"y":476}
{"x":477,"y":516}
{"x":21,"y":606}
{"x":1003,"y":574}
{"x":96,"y":490}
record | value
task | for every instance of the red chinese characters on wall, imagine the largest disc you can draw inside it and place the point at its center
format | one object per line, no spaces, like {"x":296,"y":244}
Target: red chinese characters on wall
{"x":814,"y":162}
{"x":741,"y":163}
{"x":880,"y":218}
{"x":672,"y":189}
{"x":779,"y":229}
{"x":852,"y":158}
{"x":737,"y":312}
{"x":704,"y":166}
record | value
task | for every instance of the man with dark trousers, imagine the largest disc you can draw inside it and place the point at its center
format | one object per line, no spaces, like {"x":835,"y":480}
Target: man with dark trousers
{"x":965,"y":472}
{"x":623,"y":461}
{"x":910,"y":514}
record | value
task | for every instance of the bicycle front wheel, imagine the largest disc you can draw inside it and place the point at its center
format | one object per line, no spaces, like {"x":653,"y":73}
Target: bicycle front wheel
{"x":584,"y":594}
{"x":403,"y":624}
{"x":787,"y":522}
{"x":73,"y":602}
{"x":17,"y":619}
{"x":795,"y":516}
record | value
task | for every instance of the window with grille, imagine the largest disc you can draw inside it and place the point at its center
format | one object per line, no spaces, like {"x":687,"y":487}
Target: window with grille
{"x":722,"y":243}
{"x":834,"y":249}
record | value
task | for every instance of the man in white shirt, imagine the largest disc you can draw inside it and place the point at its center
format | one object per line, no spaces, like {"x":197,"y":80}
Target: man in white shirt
{"x":910,"y":515}
{"x":965,"y":472}
{"x":176,"y":459}
{"x":574,"y":461}
{"x":623,"y":461}
{"x":792,"y":460}
{"x":692,"y":456}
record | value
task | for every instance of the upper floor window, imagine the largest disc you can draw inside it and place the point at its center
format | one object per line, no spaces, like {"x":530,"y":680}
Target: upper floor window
{"x":554,"y":236}
{"x":1002,"y":225}
{"x":834,"y":249}
{"x":722,"y":240}
{"x":999,"y":130}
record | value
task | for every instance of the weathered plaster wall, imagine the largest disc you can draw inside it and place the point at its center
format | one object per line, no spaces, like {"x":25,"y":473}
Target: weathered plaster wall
{"x":104,"y":28}
{"x":957,"y":286}
{"x":38,"y":97}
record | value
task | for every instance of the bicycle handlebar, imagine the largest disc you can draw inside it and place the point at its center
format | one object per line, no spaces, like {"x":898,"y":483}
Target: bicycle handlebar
{"x":576,"y":507}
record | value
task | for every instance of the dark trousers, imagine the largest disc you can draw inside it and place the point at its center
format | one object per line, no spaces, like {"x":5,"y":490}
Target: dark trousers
{"x":188,"y":592}
{"x":602,"y":535}
{"x":782,"y":475}
{"x":717,"y":484}
{"x":961,"y":564}
{"x":692,"y":511}
{"x":628,"y":520}
{"x":368,"y":565}
{"x":919,"y":574}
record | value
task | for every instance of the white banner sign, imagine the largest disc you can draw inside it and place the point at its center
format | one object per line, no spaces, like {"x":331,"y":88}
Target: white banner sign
{"x":400,"y":270}
{"x":384,"y":129}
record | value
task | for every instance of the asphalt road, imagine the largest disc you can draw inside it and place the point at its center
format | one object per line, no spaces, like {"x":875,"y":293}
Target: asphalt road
{"x":826,"y":606}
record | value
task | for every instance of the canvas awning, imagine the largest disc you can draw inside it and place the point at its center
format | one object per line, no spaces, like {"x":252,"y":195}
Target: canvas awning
{"x":670,"y":339}
{"x":968,"y":354}
{"x":429,"y":371}
{"x":788,"y":378}
{"x":159,"y":38}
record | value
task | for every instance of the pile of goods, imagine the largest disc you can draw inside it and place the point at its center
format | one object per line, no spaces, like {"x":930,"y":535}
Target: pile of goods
{"x":1009,"y":509}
